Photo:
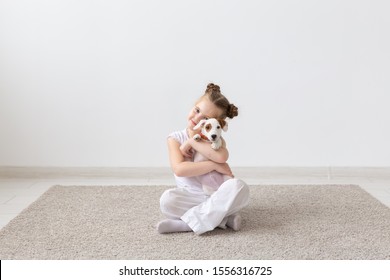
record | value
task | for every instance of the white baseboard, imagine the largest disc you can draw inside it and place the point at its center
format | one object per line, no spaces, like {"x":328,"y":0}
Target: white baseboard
{"x":10,"y":172}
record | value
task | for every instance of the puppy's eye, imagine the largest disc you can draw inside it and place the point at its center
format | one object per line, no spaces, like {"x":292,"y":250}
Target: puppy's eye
{"x":218,"y":127}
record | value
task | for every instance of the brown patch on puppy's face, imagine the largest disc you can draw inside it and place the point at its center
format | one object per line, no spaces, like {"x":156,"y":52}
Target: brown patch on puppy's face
{"x":208,"y":127}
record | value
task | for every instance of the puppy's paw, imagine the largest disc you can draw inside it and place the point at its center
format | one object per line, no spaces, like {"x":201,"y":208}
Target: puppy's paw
{"x":196,"y":137}
{"x":215,"y":145}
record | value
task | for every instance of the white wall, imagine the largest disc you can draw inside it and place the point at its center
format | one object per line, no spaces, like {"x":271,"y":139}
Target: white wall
{"x":101,"y":83}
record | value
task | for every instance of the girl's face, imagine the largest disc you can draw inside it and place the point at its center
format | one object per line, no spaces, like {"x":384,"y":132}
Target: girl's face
{"x":204,"y":109}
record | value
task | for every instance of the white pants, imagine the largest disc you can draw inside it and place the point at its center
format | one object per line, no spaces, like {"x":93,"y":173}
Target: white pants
{"x":204,"y":213}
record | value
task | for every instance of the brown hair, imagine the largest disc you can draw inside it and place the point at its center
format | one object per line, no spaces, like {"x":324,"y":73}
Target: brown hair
{"x":213,"y":92}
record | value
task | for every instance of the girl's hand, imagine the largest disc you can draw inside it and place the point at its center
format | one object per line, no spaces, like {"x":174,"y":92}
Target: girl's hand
{"x":186,"y":149}
{"x":224,"y":168}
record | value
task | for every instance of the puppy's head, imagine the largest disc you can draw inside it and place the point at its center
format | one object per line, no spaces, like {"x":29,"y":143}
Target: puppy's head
{"x":212,"y":128}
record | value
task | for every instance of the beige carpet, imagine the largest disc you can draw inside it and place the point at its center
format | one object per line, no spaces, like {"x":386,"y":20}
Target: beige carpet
{"x":281,"y":222}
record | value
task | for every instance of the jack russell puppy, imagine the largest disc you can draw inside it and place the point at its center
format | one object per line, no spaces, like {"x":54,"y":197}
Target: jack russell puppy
{"x":211,"y":131}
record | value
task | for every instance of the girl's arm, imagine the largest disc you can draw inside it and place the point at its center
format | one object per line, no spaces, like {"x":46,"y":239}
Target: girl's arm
{"x":220,"y":156}
{"x":184,"y":168}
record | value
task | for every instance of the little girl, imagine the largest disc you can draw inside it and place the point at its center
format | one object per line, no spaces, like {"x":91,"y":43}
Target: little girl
{"x":187,"y":207}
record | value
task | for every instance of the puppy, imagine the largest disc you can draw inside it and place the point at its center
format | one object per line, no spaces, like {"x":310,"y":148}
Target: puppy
{"x":211,"y":131}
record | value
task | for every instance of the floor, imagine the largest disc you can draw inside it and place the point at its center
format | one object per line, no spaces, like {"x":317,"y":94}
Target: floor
{"x":20,"y":186}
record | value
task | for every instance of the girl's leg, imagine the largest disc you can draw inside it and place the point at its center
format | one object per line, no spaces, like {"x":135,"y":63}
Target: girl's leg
{"x":231,"y":197}
{"x":174,"y":203}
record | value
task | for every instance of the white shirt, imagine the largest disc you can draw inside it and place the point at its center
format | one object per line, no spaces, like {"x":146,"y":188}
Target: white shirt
{"x":185,"y":182}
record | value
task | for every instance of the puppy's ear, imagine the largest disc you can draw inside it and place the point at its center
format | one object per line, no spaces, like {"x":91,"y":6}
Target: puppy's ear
{"x":224,"y":124}
{"x":200,"y":124}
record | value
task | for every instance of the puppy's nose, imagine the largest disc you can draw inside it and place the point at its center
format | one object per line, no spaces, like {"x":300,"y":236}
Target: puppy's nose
{"x":213,"y":136}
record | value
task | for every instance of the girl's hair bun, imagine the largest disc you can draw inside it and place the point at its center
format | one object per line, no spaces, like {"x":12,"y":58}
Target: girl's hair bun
{"x":213,"y":87}
{"x":232,"y":111}
{"x":213,"y":92}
